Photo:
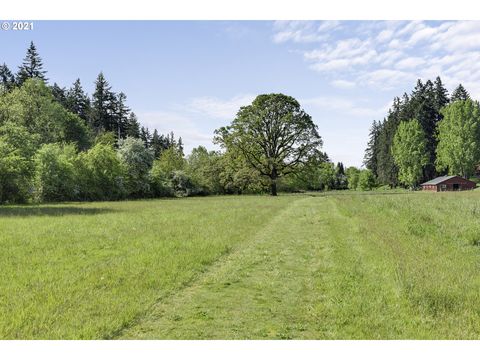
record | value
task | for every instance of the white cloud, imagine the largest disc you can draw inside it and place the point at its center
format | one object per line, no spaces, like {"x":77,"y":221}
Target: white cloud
{"x":389,"y":54}
{"x":343,"y":105}
{"x":224,"y":109}
{"x":303,"y":31}
{"x":385,"y":35}
{"x":194,"y":119}
{"x":410,"y":62}
{"x":343,"y":84}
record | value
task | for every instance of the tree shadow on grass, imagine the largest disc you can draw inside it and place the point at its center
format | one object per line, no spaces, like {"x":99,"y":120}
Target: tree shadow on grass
{"x":45,"y":210}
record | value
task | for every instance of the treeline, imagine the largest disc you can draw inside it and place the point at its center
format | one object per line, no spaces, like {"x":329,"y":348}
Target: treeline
{"x":59,"y":144}
{"x":425,"y":134}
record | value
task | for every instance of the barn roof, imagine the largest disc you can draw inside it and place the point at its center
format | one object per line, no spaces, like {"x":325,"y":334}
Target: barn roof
{"x":439,"y":180}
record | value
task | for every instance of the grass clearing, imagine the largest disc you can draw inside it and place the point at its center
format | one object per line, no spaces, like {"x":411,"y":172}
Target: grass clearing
{"x":335,"y":266}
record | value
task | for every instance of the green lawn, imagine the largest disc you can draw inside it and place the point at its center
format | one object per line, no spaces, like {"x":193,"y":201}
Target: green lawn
{"x":336,"y":266}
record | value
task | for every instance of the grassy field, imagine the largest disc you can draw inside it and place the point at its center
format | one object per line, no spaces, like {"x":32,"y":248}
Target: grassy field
{"x":335,"y":266}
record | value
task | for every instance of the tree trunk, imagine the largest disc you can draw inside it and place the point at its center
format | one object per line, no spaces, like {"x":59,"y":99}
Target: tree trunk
{"x":273,"y":188}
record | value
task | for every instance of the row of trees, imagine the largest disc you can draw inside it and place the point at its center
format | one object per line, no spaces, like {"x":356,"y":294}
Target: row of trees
{"x":59,"y":144}
{"x":425,"y":134}
{"x":56,"y":143}
{"x":104,"y":111}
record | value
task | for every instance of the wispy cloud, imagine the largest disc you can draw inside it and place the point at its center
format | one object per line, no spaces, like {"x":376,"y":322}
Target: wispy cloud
{"x":213,"y":107}
{"x":196,"y":119}
{"x":303,"y":31}
{"x":389,"y":54}
{"x":343,"y":84}
{"x":347,"y":106}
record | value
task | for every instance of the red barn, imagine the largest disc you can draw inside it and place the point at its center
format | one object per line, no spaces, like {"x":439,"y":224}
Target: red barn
{"x":448,"y":183}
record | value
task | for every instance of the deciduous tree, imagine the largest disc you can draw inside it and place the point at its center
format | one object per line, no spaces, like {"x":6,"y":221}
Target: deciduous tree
{"x":274,"y":135}
{"x":410,"y":152}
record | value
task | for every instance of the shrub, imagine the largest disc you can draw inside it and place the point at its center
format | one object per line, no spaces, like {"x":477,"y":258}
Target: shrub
{"x":55,"y":172}
{"x":16,"y":167}
{"x":100,"y":174}
{"x":137,"y":161}
{"x":366,"y":180}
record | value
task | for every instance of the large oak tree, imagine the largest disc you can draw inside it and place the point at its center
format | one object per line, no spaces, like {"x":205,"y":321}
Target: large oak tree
{"x":274,"y":134}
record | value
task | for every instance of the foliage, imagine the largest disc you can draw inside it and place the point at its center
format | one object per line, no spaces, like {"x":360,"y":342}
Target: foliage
{"x":137,"y":161}
{"x":55,"y":178}
{"x":366,"y":180}
{"x":32,"y":66}
{"x":204,"y":169}
{"x":458,"y":148}
{"x":273,"y":134}
{"x":101,"y":174}
{"x":424,"y":104}
{"x":353,"y":174}
{"x":34,"y":107}
{"x":410,"y":152}
{"x":460,"y":93}
{"x":236,"y":176}
{"x":16,"y":167}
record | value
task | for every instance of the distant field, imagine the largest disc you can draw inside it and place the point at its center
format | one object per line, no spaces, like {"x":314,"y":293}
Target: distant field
{"x":335,"y":266}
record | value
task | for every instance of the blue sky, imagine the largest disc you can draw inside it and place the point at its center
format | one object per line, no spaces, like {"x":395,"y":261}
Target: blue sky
{"x":192,"y":76}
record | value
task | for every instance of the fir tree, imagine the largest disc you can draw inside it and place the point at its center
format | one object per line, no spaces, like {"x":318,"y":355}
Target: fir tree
{"x":133,"y":126}
{"x":7,"y":80}
{"x":78,"y":102}
{"x":460,"y":94}
{"x":32,"y":66}
{"x":180,"y":145}
{"x":102,"y":100}
{"x":59,"y":94}
{"x":145,"y":136}
{"x":120,"y":118}
{"x":371,"y":153}
{"x":441,"y":96}
{"x":157,"y":144}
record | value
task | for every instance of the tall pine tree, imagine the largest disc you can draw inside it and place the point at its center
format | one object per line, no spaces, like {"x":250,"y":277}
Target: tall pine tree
{"x":32,"y":66}
{"x":102,"y":105}
{"x":133,"y":126}
{"x":78,"y":101}
{"x":460,"y":94}
{"x":371,"y":153}
{"x":7,"y":79}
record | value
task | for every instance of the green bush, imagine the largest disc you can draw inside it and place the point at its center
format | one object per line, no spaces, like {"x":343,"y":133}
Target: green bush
{"x":55,"y":173}
{"x":16,"y":166}
{"x":137,"y":161}
{"x":100,"y":174}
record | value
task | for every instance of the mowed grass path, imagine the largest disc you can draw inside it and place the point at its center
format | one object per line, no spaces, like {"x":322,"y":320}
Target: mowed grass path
{"x":367,"y":266}
{"x":339,"y":266}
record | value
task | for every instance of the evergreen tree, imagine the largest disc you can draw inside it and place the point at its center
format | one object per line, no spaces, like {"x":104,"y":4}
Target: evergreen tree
{"x":424,"y":105}
{"x":120,"y":118}
{"x":7,"y":80}
{"x":371,"y":153}
{"x":157,"y":143}
{"x":78,"y":102}
{"x":387,"y":171}
{"x":180,"y":145}
{"x":145,"y":136}
{"x":102,"y":100}
{"x":441,"y":96}
{"x":32,"y":66}
{"x":133,"y":126}
{"x":460,"y":94}
{"x":59,"y":94}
